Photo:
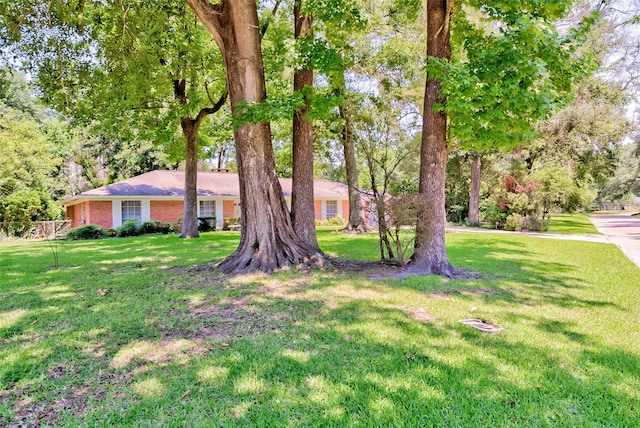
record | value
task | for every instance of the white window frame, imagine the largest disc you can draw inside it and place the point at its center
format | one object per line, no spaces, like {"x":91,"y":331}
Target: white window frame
{"x":137,"y":211}
{"x":203,"y":211}
{"x":327,"y":214}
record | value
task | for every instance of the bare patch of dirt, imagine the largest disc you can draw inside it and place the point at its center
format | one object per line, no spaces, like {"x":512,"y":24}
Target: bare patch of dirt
{"x":31,"y":414}
{"x":233,"y":319}
{"x":372,"y":269}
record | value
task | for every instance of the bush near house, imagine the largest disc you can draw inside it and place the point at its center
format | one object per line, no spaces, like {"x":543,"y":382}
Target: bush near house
{"x":206,"y":224}
{"x":333,"y":221}
{"x":129,"y":228}
{"x":89,"y":231}
{"x":155,"y":226}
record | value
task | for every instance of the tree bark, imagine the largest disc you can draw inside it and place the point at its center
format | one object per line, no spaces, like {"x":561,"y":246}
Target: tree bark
{"x":267,"y":241}
{"x":474,"y":192}
{"x":356,"y":219}
{"x":302,"y":208}
{"x":190,"y":214}
{"x":430,"y":256}
{"x":190,"y":131}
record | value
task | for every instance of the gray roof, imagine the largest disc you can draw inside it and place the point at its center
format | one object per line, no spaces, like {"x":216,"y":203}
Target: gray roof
{"x":170,"y":184}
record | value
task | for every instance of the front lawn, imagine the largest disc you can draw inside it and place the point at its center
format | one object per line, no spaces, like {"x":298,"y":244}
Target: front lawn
{"x":140,"y":332}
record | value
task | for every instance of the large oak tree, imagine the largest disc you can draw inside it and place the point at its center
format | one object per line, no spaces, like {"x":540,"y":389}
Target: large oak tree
{"x":268,"y":240}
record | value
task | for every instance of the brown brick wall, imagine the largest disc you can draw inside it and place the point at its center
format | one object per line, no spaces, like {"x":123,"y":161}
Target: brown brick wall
{"x":99,"y":213}
{"x":317,"y":209}
{"x":227,"y":209}
{"x":167,"y":211}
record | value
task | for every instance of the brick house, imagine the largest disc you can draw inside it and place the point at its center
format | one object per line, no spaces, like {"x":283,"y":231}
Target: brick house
{"x":159,"y":195}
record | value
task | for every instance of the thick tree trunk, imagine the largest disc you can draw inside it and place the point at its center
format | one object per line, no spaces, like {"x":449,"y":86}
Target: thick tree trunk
{"x":302,"y":208}
{"x":267,"y":241}
{"x":474,"y":192}
{"x":190,"y":215}
{"x":356,"y":219}
{"x":430,"y":256}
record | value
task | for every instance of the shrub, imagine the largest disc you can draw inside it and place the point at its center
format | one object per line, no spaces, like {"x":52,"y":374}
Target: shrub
{"x":402,"y":213}
{"x":515,"y":222}
{"x":491,"y":212}
{"x":538,"y":224}
{"x":128,"y":228}
{"x":154,"y":226}
{"x":231,"y":221}
{"x":206,"y":224}
{"x":89,"y":231}
{"x":177,"y":226}
{"x":333,"y":221}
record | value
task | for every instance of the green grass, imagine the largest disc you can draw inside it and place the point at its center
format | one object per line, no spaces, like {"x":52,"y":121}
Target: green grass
{"x":133,"y":332}
{"x":576,"y":223}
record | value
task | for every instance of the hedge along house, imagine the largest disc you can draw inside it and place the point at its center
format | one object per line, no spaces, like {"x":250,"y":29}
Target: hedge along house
{"x":159,"y":195}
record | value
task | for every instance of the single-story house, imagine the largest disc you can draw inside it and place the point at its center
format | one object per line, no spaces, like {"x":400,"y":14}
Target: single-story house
{"x":159,"y":195}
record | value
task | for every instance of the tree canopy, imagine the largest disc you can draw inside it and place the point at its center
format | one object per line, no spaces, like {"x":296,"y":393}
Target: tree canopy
{"x":137,"y":79}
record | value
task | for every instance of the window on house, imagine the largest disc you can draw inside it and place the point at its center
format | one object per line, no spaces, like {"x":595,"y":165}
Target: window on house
{"x":207,"y":208}
{"x":332,"y":209}
{"x":132,"y":210}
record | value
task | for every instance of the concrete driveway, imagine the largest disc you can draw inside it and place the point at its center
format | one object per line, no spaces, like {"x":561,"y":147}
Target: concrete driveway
{"x":622,"y":230}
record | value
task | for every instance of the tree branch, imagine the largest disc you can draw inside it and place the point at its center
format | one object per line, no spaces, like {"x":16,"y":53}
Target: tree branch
{"x":210,"y":15}
{"x":210,"y":110}
{"x":265,"y":25}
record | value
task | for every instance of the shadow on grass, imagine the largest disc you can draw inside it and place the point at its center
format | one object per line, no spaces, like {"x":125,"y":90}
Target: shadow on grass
{"x":293,"y":361}
{"x":174,"y":347}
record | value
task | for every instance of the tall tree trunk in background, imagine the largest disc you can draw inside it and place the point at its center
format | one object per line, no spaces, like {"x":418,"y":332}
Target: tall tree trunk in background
{"x":267,"y":240}
{"x":474,"y":192}
{"x":190,"y":130}
{"x":190,"y":214}
{"x":430,"y":256}
{"x":356,"y":219}
{"x":302,"y":207}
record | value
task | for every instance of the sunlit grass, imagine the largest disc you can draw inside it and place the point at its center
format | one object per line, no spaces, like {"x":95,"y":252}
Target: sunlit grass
{"x":576,"y":223}
{"x":128,"y":333}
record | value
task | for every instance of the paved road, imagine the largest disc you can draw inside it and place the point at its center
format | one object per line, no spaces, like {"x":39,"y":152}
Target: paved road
{"x":622,"y":230}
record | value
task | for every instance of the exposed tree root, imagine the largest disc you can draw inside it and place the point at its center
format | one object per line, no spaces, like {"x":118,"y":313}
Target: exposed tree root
{"x":349,"y":228}
{"x":443,"y":269}
{"x":244,"y":261}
